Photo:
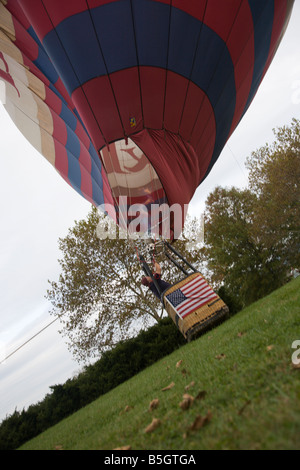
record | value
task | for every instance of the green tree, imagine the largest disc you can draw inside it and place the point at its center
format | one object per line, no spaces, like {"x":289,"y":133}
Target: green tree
{"x":234,"y":257}
{"x":98,"y":296}
{"x":274,"y":176}
{"x":252,"y":236}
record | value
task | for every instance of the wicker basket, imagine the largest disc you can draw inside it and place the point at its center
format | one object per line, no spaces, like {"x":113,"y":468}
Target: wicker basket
{"x":194,"y":306}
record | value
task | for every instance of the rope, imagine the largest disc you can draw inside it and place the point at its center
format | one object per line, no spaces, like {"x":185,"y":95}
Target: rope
{"x":30,"y":339}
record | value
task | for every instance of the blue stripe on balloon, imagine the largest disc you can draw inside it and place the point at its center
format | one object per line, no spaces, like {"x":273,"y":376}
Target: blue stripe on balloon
{"x":147,"y":26}
{"x":33,"y":34}
{"x":184,"y":34}
{"x":151,"y":20}
{"x":57,"y":54}
{"x":263,"y":17}
{"x":79,"y":40}
{"x":115,"y":33}
{"x":95,"y":158}
{"x":74,"y":173}
{"x":97,"y":188}
{"x":44,"y":64}
{"x":73,"y":153}
{"x":116,"y":40}
{"x":73,"y":149}
{"x":97,"y":181}
{"x":68,"y":117}
{"x":73,"y":144}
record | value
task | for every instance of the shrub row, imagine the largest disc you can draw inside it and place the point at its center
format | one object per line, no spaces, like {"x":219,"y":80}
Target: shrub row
{"x":115,"y":366}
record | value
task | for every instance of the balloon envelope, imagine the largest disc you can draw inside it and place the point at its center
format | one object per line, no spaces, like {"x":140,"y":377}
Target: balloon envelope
{"x":135,"y":98}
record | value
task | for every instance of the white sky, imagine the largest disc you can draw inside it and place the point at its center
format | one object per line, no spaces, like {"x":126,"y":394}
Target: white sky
{"x":37,"y":207}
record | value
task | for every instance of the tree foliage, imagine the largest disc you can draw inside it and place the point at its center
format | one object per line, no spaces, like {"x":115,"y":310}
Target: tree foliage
{"x":236,"y":257}
{"x":274,"y":177}
{"x":253,"y":235}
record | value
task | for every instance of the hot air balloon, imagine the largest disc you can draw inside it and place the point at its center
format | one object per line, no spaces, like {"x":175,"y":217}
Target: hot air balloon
{"x":134,"y":100}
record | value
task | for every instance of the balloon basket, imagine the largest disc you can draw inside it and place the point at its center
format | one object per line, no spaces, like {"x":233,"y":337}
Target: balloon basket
{"x":194,"y":306}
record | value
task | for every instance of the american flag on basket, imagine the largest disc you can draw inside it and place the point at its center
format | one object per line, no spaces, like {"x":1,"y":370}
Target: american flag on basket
{"x":191,"y":296}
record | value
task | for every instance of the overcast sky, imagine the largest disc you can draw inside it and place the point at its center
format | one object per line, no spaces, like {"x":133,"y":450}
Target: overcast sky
{"x":37,"y":207}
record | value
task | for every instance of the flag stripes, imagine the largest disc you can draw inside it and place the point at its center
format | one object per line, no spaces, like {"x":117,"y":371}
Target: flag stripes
{"x":195,"y":294}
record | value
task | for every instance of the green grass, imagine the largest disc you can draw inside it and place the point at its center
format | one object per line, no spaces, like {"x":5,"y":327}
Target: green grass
{"x":245,"y":367}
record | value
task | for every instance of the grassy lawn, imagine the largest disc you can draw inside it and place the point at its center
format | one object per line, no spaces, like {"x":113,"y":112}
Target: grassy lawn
{"x":241,"y":382}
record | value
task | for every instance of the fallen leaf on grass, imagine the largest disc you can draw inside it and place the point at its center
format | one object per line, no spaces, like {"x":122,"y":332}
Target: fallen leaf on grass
{"x":201,"y":421}
{"x":154,"y":404}
{"x":178,"y":364}
{"x":171,"y":385}
{"x":270,"y":347}
{"x":220,"y":356}
{"x":123,"y":448}
{"x":127,"y":408}
{"x":201,"y":395}
{"x":187,"y":401}
{"x":184,"y":405}
{"x":187,"y":396}
{"x":240,"y":334}
{"x":190,"y":385}
{"x":59,"y":447}
{"x":153,"y":425}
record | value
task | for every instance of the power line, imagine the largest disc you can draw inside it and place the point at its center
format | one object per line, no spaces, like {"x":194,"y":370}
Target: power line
{"x":30,"y":339}
{"x":238,"y":163}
